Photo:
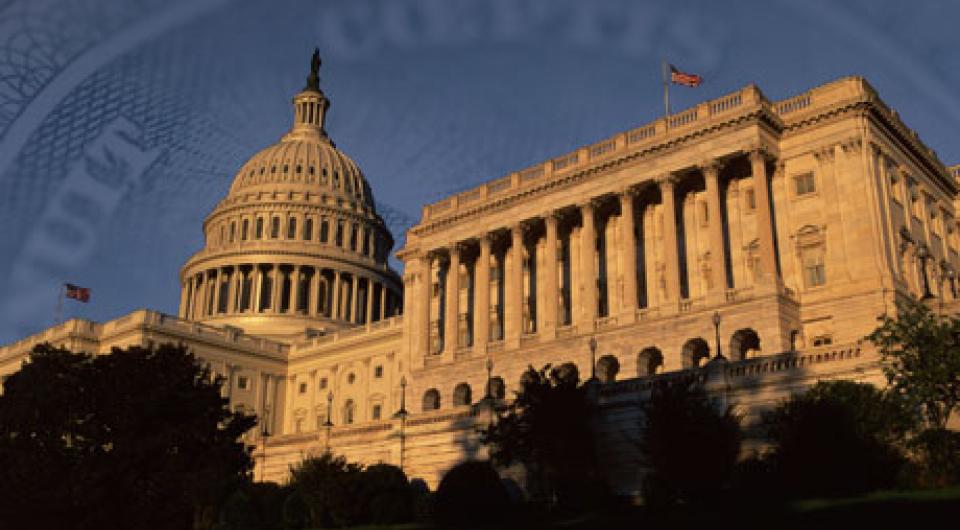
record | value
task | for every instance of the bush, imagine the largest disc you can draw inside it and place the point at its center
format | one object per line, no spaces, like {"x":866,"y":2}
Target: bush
{"x":936,"y":455}
{"x":691,"y":448}
{"x":471,"y":494}
{"x":840,"y":438}
{"x":387,"y":494}
{"x":330,"y":487}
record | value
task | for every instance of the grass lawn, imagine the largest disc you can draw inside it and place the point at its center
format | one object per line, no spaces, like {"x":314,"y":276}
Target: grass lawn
{"x":887,"y":509}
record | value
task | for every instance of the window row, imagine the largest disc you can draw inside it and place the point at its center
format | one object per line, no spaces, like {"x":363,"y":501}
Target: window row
{"x":350,"y":184}
{"x":342,"y":233}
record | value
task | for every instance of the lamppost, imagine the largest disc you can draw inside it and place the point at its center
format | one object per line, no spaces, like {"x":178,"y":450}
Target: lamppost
{"x":329,"y":423}
{"x":593,"y":360}
{"x":923,"y":254}
{"x":263,"y":469}
{"x":489,"y":395}
{"x":716,"y":328}
{"x":402,"y":416}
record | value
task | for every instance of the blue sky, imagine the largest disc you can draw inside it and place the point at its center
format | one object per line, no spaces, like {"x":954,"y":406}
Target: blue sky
{"x":430,"y":97}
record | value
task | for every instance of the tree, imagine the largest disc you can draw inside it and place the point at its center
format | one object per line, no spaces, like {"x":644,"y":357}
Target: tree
{"x":691,"y":448}
{"x":547,"y":428}
{"x":921,"y":354}
{"x":330,"y":487}
{"x":132,"y":438}
{"x":471,"y":494}
{"x":838,"y":438}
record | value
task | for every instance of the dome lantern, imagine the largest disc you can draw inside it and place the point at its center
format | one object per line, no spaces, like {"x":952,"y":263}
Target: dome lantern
{"x":310,"y":106}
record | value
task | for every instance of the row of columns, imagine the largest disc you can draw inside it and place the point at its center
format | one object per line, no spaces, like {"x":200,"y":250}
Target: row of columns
{"x":261,"y":288}
{"x":590,"y":283}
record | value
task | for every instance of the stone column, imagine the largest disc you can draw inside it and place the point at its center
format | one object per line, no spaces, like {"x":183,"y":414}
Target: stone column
{"x":481,"y":299}
{"x":256,"y":287}
{"x":628,"y":254}
{"x":513,"y":312}
{"x":355,"y":298}
{"x":216,"y":291}
{"x":294,"y":289}
{"x":588,"y":267}
{"x":335,"y":296}
{"x":232,"y":290}
{"x":718,"y":262}
{"x":314,"y":307}
{"x":452,"y":303}
{"x":422,"y":304}
{"x":277,"y":289}
{"x":671,"y":253}
{"x":551,"y":294}
{"x":383,"y":301}
{"x":768,"y":259}
{"x":184,"y":298}
{"x":369,"y":301}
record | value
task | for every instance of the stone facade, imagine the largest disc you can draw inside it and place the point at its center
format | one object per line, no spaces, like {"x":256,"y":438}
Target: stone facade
{"x":796,"y":221}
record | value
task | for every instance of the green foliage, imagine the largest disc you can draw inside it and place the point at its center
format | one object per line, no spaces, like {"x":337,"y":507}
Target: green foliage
{"x":329,"y":492}
{"x":471,"y":494}
{"x":547,"y":428}
{"x":133,"y":438}
{"x":838,"y":438}
{"x":936,"y":459}
{"x":921,"y":353}
{"x":691,"y":448}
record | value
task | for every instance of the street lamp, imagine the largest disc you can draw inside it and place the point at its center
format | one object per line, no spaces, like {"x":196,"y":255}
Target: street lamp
{"x":489,"y":396}
{"x":716,"y":328}
{"x":593,"y":360}
{"x":923,"y":254}
{"x":329,"y":423}
{"x":402,"y":416}
{"x":263,"y":469}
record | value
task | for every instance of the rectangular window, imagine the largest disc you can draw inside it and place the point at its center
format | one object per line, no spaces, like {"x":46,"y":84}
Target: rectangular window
{"x":375,"y":412}
{"x":339,"y":235}
{"x":323,"y":383}
{"x":378,"y":371}
{"x":353,"y":236}
{"x":308,"y":229}
{"x":259,"y":229}
{"x":275,"y":228}
{"x":243,"y":382}
{"x":292,"y":228}
{"x":814,"y":274}
{"x":303,"y":388}
{"x":804,"y":183}
{"x":324,"y":230}
{"x":366,"y":242}
{"x":245,"y":229}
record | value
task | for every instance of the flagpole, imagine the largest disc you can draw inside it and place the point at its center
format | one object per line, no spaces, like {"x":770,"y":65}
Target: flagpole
{"x":666,"y":91}
{"x":58,"y":318}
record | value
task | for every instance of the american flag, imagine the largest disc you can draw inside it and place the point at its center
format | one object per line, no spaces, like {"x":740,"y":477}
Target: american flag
{"x":81,"y":294}
{"x":682,"y":78}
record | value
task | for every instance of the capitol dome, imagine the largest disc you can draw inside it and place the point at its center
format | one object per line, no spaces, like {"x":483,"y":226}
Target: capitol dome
{"x":297,"y":245}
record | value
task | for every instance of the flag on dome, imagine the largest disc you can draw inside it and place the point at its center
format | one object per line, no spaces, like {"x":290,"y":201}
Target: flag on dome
{"x":81,"y":294}
{"x":682,"y":78}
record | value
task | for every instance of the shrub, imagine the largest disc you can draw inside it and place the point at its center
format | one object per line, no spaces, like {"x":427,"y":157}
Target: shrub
{"x":330,"y":487}
{"x":840,"y":438}
{"x":936,"y":455}
{"x":387,"y":494}
{"x":471,"y":494}
{"x":691,"y":448}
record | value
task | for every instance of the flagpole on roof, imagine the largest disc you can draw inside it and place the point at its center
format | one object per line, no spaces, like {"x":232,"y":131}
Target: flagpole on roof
{"x":666,"y":90}
{"x":58,"y":318}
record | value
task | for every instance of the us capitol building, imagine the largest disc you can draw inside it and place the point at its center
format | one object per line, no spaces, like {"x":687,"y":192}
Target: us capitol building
{"x":775,"y":230}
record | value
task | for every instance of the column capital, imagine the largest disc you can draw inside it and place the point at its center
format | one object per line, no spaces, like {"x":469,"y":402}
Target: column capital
{"x":711,"y":167}
{"x":758,"y":152}
{"x":668,"y":180}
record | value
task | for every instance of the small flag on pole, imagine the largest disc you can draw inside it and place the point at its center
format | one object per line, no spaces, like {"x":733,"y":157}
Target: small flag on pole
{"x":682,"y":78}
{"x":80,"y":294}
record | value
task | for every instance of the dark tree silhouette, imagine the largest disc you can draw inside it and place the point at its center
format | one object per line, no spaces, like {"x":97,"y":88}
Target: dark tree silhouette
{"x":691,"y":448}
{"x":136,"y":438}
{"x":838,"y":438}
{"x":548,"y":430}
{"x":471,"y":494}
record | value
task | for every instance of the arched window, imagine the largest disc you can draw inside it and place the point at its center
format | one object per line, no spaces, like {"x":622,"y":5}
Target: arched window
{"x":496,"y":389}
{"x":431,"y":400}
{"x":607,"y":368}
{"x":695,"y":353}
{"x":348,"y":412}
{"x":462,"y":395}
{"x":308,"y":229}
{"x":744,"y":343}
{"x":649,"y":361}
{"x":292,"y":228}
{"x":275,"y":227}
